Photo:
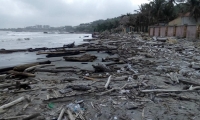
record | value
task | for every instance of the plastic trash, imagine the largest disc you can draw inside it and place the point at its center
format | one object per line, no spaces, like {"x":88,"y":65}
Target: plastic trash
{"x":51,"y":105}
{"x":74,"y":107}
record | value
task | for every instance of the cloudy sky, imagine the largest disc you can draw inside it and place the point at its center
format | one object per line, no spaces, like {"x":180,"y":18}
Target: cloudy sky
{"x":21,"y":13}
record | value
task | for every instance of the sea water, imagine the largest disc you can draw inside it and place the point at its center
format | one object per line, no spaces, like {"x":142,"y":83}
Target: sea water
{"x":23,"y":40}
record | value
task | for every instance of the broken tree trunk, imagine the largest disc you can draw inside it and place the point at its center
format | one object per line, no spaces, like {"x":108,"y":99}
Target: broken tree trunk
{"x":21,"y":68}
{"x":83,"y":58}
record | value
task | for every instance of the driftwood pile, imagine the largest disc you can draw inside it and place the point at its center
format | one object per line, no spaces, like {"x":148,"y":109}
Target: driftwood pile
{"x":149,"y":79}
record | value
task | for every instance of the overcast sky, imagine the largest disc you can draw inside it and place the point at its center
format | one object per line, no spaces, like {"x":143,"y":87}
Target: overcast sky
{"x":21,"y":13}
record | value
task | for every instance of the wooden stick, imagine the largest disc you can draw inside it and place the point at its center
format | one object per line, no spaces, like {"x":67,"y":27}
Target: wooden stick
{"x":165,"y":90}
{"x":71,"y":117}
{"x":89,"y":78}
{"x":189,"y":82}
{"x":53,"y":70}
{"x":21,"y":73}
{"x":61,"y":114}
{"x":11,"y":84}
{"x":13,"y":103}
{"x":15,"y":117}
{"x":108,"y":82}
{"x":2,"y":77}
{"x":36,"y":66}
{"x":32,"y":116}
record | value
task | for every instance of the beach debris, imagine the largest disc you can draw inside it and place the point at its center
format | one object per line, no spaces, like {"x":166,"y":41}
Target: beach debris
{"x":101,"y":68}
{"x":33,"y":116}
{"x":83,"y":58}
{"x":21,"y":68}
{"x":5,"y":106}
{"x":79,"y":87}
{"x":23,"y":74}
{"x":108,"y":81}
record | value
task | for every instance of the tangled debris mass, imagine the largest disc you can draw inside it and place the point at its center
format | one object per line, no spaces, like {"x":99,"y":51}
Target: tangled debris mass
{"x":118,"y":77}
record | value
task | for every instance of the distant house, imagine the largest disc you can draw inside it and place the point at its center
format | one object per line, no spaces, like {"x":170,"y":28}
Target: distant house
{"x":185,"y":19}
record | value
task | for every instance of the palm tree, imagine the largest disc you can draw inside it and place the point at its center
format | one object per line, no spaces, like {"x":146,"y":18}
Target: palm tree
{"x":194,"y":7}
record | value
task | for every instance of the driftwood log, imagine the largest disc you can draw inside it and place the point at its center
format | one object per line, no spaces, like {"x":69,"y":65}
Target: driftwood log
{"x":63,"y":54}
{"x":12,"y":84}
{"x":21,"y":73}
{"x":80,"y":49}
{"x":21,"y":68}
{"x":2,"y":70}
{"x":165,"y":90}
{"x":36,"y":66}
{"x":83,"y":58}
{"x":35,"y":115}
{"x":3,"y":107}
{"x":54,"y":70}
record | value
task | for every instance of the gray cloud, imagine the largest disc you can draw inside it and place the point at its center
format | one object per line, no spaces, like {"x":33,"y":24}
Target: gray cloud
{"x":21,"y":13}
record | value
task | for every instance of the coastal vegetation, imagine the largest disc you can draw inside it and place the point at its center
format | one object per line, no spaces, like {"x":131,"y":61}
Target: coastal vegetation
{"x":154,"y":12}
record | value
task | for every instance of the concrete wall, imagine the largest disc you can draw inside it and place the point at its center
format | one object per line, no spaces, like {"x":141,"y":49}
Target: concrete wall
{"x":156,"y":33}
{"x":180,"y":31}
{"x":191,"y":32}
{"x":170,"y":31}
{"x":151,"y":31}
{"x":163,"y":31}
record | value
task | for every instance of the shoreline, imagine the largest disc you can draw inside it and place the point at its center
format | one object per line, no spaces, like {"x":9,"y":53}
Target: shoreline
{"x":141,"y":76}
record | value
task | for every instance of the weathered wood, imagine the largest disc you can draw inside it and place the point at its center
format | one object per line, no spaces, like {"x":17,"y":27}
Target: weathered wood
{"x":21,"y":68}
{"x":2,"y":77}
{"x":36,"y":66}
{"x":83,"y":58}
{"x":165,"y":90}
{"x":2,"y":70}
{"x":54,"y":70}
{"x":70,"y":115}
{"x":189,"y":82}
{"x":11,"y":84}
{"x":89,"y":78}
{"x":32,"y":116}
{"x":21,"y":73}
{"x":13,"y":50}
{"x":63,"y":54}
{"x":61,"y":113}
{"x":3,"y":107}
{"x":15,"y":117}
{"x":108,"y":81}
